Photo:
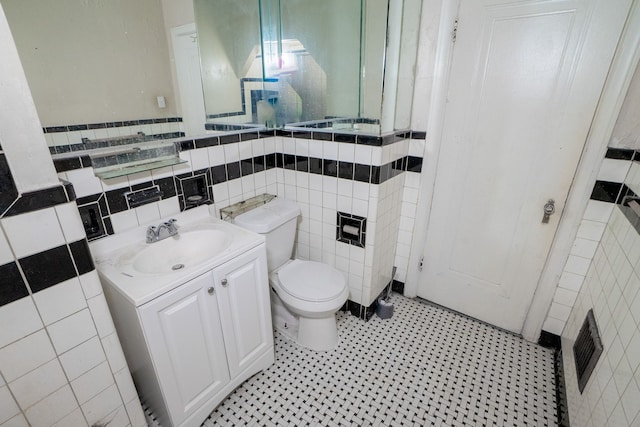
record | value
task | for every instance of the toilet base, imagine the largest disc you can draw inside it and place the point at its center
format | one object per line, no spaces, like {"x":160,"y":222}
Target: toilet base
{"x":318,"y":334}
{"x":284,"y":321}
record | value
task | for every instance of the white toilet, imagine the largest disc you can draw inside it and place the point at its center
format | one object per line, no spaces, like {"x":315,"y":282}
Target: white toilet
{"x":306,"y":294}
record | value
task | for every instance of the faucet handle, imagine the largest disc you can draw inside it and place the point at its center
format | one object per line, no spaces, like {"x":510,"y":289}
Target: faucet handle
{"x":151,"y":234}
{"x":172,"y":226}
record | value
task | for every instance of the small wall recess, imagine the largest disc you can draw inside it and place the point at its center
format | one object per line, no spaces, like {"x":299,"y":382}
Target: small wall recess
{"x":587,"y":350}
{"x":351,"y":229}
{"x":142,"y":197}
{"x":92,"y":220}
{"x":195,"y":191}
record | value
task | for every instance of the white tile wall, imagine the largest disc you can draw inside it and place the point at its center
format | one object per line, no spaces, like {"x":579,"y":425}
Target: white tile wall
{"x":18,"y":319}
{"x":612,"y":289}
{"x":407,"y":221}
{"x":93,"y":382}
{"x":589,"y":234}
{"x":83,"y":337}
{"x":82,"y":358}
{"x":103,"y":404}
{"x":25,"y":355}
{"x":51,"y":355}
{"x":613,"y":170}
{"x":33,"y":232}
{"x":84,"y":182}
{"x":8,"y":406}
{"x":38,"y":384}
{"x":52,"y":408}
{"x":71,"y":331}
{"x":70,"y":221}
{"x":319,"y":199}
{"x":60,"y":301}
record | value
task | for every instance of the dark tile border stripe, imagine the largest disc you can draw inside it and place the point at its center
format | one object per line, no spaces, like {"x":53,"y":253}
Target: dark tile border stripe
{"x":13,"y":287}
{"x":8,"y":189}
{"x":553,"y":341}
{"x":562,"y":404}
{"x":114,"y":201}
{"x":41,"y":199}
{"x":44,"y":270}
{"x":56,"y":265}
{"x":619,"y":154}
{"x":105,"y":125}
{"x":606,"y":191}
{"x":82,"y":161}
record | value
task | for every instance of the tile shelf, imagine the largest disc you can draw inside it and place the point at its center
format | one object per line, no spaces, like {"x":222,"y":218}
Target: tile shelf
{"x":230,"y":212}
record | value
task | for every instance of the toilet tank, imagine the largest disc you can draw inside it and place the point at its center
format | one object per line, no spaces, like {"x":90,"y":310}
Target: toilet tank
{"x":277,"y":221}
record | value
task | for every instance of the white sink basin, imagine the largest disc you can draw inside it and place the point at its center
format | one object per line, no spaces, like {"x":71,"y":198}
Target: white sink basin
{"x":186,"y":249}
{"x":142,"y":271}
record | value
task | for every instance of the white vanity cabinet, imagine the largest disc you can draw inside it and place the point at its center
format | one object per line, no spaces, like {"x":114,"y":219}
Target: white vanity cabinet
{"x":190,"y":347}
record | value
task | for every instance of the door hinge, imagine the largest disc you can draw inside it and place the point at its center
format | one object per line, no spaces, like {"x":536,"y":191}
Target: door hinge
{"x":421,"y":263}
{"x":454,"y":33}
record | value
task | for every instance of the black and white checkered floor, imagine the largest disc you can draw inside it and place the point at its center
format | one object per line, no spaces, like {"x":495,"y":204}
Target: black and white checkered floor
{"x":425,"y":366}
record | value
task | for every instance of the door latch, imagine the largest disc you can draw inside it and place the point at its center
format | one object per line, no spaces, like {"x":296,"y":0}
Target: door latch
{"x":549,"y":209}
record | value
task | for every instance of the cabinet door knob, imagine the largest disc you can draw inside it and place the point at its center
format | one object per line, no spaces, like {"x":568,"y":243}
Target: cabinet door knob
{"x":210,"y":290}
{"x":224,"y":282}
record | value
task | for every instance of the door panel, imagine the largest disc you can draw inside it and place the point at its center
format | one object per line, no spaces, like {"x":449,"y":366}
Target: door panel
{"x":186,"y":342}
{"x":187,"y":65}
{"x":244,"y":306}
{"x":525,"y":81}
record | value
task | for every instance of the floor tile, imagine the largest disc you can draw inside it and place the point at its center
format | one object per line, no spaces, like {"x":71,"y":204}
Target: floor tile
{"x":425,"y":366}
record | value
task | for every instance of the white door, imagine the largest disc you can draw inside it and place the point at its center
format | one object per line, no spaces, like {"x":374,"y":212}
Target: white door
{"x":524,"y":84}
{"x":187,"y":63}
{"x":245,"y":309}
{"x":185,"y":340}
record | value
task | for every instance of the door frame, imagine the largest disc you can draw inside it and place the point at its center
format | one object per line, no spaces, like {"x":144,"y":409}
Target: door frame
{"x":622,"y":69}
{"x":177,"y":32}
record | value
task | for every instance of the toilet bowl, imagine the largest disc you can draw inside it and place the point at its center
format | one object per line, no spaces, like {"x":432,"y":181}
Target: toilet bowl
{"x":313,"y":292}
{"x":307,"y":294}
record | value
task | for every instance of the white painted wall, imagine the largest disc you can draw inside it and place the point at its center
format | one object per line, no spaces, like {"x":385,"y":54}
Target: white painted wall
{"x":90,"y":62}
{"x":20,"y":135}
{"x":626,"y":133}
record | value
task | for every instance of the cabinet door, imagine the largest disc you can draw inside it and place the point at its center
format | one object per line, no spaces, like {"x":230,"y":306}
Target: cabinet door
{"x":186,"y":343}
{"x":245,"y":310}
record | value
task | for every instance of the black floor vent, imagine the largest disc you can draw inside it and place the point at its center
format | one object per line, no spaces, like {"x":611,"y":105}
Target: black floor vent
{"x":587,"y":350}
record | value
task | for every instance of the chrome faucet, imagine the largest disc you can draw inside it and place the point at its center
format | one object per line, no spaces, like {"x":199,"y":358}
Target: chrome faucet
{"x":162,"y":231}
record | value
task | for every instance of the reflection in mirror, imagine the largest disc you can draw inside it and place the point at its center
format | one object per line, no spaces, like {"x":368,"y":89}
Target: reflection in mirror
{"x":277,"y":62}
{"x":308,"y":64}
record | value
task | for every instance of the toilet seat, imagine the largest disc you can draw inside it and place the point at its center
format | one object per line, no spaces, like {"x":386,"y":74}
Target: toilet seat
{"x":311,"y":281}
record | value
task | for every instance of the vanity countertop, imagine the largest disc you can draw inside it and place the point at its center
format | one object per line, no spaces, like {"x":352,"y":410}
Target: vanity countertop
{"x":115,"y":255}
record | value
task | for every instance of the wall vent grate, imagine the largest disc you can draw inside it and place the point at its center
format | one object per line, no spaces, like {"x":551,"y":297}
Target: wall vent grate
{"x":587,"y":349}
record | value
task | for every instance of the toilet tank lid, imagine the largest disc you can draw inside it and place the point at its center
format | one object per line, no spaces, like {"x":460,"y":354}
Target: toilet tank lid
{"x":269,"y":216}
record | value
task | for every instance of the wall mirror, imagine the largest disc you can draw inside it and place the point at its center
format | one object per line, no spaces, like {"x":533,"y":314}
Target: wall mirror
{"x":101,"y":71}
{"x":308,"y":64}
